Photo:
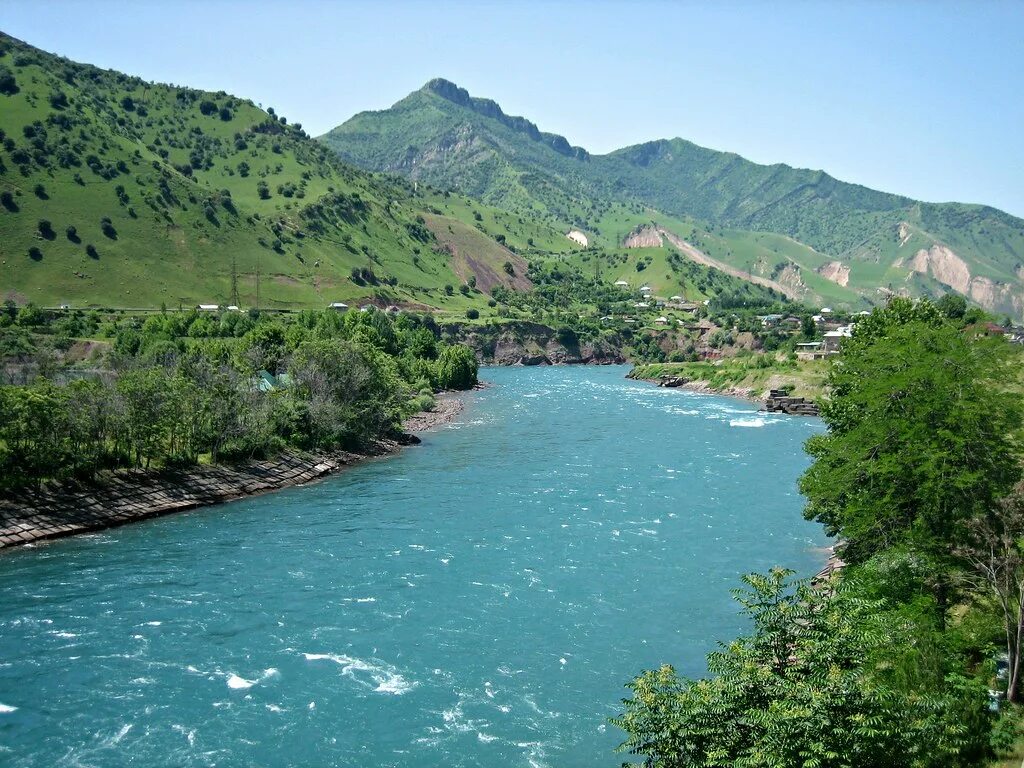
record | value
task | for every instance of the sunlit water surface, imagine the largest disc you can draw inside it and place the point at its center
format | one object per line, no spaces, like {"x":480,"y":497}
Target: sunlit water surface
{"x":480,"y":600}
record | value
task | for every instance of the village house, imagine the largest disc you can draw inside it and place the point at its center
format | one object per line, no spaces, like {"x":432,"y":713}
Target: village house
{"x":338,"y":306}
{"x":834,"y":339}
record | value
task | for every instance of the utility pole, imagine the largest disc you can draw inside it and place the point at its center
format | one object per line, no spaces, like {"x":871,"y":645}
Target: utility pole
{"x":234,"y":282}
{"x":257,"y":282}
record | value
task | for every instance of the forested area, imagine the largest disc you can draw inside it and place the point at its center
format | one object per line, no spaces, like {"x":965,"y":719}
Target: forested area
{"x":910,"y":656}
{"x":185,"y":387}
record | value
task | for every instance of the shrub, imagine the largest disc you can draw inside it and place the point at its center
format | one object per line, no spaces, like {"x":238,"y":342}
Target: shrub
{"x":207,"y":107}
{"x":225,"y":114}
{"x":509,"y":269}
{"x":90,"y":249}
{"x":40,"y":191}
{"x":263,"y":190}
{"x":35,"y":254}
{"x":8,"y":85}
{"x":46,"y":229}
{"x":72,"y":234}
{"x":107,"y":227}
{"x":472,"y":314}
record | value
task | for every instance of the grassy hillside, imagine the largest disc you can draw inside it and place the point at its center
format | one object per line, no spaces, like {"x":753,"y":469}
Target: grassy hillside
{"x":119,"y":192}
{"x":850,"y":244}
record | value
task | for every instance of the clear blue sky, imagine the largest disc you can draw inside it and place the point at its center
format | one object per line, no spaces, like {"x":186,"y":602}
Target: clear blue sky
{"x":920,"y":98}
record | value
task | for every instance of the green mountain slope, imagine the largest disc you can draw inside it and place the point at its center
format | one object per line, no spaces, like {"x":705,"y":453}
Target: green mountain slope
{"x":859,"y":244}
{"x":123,"y":193}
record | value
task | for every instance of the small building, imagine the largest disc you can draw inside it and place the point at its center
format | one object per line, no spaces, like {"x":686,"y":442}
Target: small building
{"x":392,"y":309}
{"x":834,"y":339}
{"x":622,"y":284}
{"x":367,"y":308}
{"x":641,"y":305}
{"x":810,"y":350}
{"x":661,"y":320}
{"x":645,"y":289}
{"x":676,"y":298}
{"x":338,"y":306}
{"x":209,"y":307}
{"x":770,"y":321}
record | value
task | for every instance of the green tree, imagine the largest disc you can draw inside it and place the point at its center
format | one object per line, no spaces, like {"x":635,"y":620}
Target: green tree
{"x":920,"y":434}
{"x":456,"y":368}
{"x":812,"y":685}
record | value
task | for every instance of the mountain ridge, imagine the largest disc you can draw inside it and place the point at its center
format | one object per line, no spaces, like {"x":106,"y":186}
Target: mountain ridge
{"x":444,"y":136}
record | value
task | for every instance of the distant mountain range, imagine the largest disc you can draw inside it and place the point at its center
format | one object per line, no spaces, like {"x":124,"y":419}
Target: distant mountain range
{"x":819,"y":237}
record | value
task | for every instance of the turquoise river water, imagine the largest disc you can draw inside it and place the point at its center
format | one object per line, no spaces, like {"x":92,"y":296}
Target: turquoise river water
{"x":477,"y":601}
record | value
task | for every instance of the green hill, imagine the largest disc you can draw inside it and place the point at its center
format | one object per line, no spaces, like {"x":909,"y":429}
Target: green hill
{"x":848,"y":243}
{"x":123,"y":193}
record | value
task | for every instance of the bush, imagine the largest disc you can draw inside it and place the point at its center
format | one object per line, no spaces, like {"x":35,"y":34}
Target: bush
{"x":225,"y":114}
{"x":35,"y":254}
{"x":472,"y":314}
{"x":90,"y":249}
{"x":107,"y":227}
{"x":46,"y":229}
{"x":207,"y":107}
{"x":8,"y":85}
{"x":72,"y":234}
{"x":263,"y":190}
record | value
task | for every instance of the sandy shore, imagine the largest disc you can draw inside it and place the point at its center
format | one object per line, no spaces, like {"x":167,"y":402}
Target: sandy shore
{"x":64,"y":509}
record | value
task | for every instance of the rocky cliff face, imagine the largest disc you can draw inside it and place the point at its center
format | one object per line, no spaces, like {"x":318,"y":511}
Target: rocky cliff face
{"x":943,"y":264}
{"x":646,"y":236}
{"x":526,"y":343}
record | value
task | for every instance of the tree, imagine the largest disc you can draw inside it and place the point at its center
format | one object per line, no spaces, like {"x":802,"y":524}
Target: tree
{"x":456,"y":368}
{"x":993,"y":549}
{"x":920,"y":434}
{"x":263,"y":190}
{"x":952,"y":305}
{"x":810,"y":686}
{"x":472,"y":314}
{"x":8,"y":84}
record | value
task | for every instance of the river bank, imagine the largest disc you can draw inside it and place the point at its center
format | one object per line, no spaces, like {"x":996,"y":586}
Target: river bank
{"x":117,"y":498}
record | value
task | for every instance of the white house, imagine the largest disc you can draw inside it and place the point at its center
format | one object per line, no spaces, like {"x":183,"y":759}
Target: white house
{"x":676,"y":298}
{"x":661,"y":320}
{"x":338,"y":306}
{"x":209,"y":307}
{"x":622,"y":284}
{"x":645,"y":289}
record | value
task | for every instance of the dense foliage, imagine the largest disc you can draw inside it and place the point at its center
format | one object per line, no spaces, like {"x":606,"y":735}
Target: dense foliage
{"x":183,"y":387}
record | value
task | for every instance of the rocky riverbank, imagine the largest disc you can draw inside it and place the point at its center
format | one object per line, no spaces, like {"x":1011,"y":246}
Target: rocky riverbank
{"x":65,"y":509}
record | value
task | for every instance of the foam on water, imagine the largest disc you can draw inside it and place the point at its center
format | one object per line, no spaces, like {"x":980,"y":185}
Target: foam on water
{"x":6,"y":709}
{"x":385,"y":678}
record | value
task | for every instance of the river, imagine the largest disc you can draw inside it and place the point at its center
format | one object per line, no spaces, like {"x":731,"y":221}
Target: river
{"x":479,"y":600}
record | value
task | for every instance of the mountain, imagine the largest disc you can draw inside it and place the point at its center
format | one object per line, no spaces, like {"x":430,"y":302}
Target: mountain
{"x":825,"y":238}
{"x":119,"y":192}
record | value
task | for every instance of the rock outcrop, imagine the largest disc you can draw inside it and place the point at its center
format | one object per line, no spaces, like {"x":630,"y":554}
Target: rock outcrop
{"x":578,"y":237}
{"x":646,"y":236}
{"x":527,"y":343}
{"x":835,"y":271}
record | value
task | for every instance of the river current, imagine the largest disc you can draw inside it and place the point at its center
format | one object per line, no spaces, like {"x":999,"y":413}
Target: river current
{"x":480,"y":600}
